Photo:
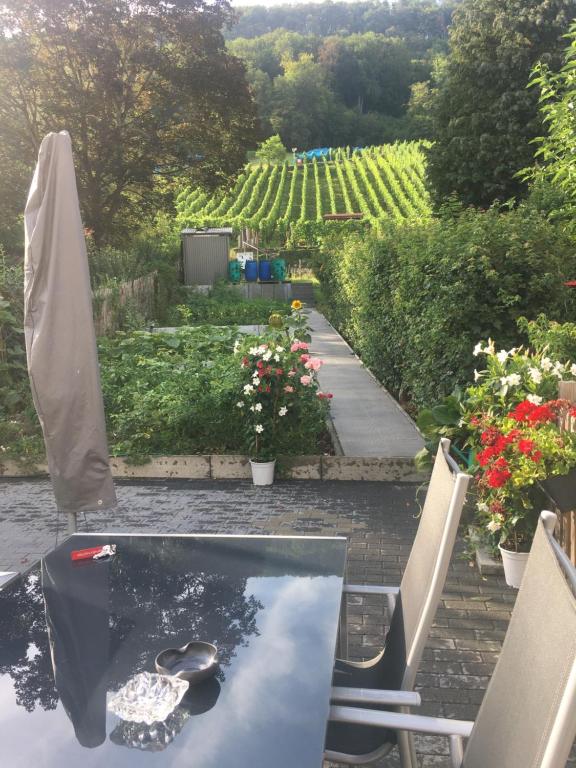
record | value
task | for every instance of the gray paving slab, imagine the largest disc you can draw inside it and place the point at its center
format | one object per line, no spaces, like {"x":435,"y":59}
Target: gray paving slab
{"x":367,"y":419}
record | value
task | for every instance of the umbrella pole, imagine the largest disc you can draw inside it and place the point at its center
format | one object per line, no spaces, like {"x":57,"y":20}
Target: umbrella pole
{"x":72,"y":523}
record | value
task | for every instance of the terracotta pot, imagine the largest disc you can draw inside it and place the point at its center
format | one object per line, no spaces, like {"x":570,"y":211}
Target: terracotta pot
{"x":514,"y":565}
{"x":262,"y":472}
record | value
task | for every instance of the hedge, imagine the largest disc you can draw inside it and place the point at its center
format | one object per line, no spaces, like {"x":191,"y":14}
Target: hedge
{"x":414,"y":299}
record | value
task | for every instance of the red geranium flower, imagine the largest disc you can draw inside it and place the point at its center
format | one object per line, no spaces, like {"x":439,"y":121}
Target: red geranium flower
{"x":498,"y":477}
{"x":485,"y":456}
{"x":522,"y":411}
{"x":489,"y":436}
{"x":541,"y":414}
{"x":526,"y":446}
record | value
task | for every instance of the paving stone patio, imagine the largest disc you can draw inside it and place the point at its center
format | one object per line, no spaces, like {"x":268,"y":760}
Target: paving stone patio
{"x":380,"y":520}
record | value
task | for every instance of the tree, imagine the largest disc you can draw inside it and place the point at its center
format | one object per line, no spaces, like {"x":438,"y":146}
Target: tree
{"x":558,"y":109}
{"x":272,"y":150}
{"x":485,"y":117}
{"x":304,"y":108}
{"x":146,"y":90}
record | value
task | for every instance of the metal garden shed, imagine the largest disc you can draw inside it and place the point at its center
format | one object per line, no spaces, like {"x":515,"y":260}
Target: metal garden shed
{"x":205,"y":254}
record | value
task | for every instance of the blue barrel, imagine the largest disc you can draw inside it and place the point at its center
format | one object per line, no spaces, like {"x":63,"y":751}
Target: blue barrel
{"x":251,"y":271}
{"x":264,"y":270}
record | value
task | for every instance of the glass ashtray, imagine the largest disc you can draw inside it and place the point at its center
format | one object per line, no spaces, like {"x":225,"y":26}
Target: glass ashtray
{"x":147,"y":698}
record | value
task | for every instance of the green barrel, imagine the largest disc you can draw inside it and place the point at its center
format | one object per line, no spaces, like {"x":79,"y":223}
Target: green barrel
{"x":279,"y":269}
{"x":234,"y":271}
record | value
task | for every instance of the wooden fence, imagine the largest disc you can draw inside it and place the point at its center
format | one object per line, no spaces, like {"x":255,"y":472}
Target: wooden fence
{"x":113,"y":305}
{"x":567,"y":528}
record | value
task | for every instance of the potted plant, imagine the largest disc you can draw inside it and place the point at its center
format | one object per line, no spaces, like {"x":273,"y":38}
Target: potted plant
{"x":517,"y":453}
{"x":280,"y":398}
{"x":512,"y":419}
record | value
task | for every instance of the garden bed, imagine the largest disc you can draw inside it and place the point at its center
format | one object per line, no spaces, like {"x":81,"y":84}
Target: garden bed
{"x":170,"y":393}
{"x":225,"y":305}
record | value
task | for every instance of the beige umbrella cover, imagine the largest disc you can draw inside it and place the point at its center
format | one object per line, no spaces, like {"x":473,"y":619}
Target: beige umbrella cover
{"x":60,"y":338}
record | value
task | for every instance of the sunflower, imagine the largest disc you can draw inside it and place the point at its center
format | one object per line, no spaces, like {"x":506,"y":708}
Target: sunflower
{"x":296,"y":304}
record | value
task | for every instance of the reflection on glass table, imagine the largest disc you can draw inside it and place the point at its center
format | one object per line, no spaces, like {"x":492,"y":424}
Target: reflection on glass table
{"x":75,"y":633}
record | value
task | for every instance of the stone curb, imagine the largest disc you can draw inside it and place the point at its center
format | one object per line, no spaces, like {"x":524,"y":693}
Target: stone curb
{"x":225,"y":467}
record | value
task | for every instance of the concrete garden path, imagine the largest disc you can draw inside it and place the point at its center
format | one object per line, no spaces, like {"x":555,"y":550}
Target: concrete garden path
{"x":367,"y":419}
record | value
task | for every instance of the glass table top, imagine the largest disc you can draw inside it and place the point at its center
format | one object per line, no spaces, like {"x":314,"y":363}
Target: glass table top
{"x":73,"y":633}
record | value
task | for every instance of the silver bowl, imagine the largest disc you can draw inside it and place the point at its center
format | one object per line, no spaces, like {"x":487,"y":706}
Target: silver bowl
{"x":194,"y":662}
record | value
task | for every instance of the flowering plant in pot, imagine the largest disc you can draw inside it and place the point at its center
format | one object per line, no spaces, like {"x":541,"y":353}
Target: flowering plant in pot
{"x":280,"y":400}
{"x":517,"y":453}
{"x":512,"y":419}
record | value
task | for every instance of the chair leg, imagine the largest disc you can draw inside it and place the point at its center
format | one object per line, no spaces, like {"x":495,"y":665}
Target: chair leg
{"x":407,"y":750}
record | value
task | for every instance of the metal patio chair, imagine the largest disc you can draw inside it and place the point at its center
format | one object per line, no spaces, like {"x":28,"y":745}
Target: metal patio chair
{"x":528,"y":715}
{"x":388,"y":679}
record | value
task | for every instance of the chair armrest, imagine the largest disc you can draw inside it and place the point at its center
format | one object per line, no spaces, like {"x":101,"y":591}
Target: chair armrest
{"x":401,"y":722}
{"x":375,"y":696}
{"x":369,"y":589}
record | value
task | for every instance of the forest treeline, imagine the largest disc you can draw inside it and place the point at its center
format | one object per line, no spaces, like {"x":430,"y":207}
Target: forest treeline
{"x":342,"y":73}
{"x":425,"y":19}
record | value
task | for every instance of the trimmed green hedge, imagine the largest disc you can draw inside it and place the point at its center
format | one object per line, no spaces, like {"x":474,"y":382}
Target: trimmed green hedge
{"x":415,"y":299}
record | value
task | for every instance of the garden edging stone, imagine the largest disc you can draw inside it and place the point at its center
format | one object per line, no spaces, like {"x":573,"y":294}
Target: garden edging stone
{"x":237,"y":467}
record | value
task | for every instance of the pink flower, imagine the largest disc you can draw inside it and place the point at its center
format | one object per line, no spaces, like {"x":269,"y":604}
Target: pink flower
{"x":288,"y":388}
{"x":304,"y":358}
{"x":291,"y":373}
{"x":325,"y":395}
{"x":305,"y":380}
{"x":313,"y":364}
{"x":295,"y":347}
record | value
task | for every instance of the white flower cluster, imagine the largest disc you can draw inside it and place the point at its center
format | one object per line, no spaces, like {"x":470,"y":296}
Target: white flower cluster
{"x":490,"y":349}
{"x":535,"y":371}
{"x":513,"y":380}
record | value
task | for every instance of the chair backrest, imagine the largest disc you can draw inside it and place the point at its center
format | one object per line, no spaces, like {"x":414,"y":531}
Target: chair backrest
{"x":427,"y":566}
{"x":528,"y":715}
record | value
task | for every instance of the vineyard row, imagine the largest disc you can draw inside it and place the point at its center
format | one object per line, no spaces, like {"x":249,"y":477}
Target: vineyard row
{"x":386,"y":182}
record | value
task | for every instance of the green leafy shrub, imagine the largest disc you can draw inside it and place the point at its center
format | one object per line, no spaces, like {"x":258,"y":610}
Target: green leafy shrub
{"x":20,"y":436}
{"x":225,"y":306}
{"x":156,"y":248}
{"x":559,"y":339}
{"x":414,"y":299}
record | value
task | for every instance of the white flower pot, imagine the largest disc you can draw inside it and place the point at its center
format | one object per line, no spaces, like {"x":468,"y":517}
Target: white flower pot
{"x":514,"y":564}
{"x":262,"y":472}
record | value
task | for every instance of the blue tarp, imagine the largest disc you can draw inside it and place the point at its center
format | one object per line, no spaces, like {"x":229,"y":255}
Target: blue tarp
{"x":312,"y":153}
{"x":321,"y":152}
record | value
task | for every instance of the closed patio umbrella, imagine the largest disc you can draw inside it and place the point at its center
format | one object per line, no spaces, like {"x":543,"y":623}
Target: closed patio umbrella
{"x":60,"y":338}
